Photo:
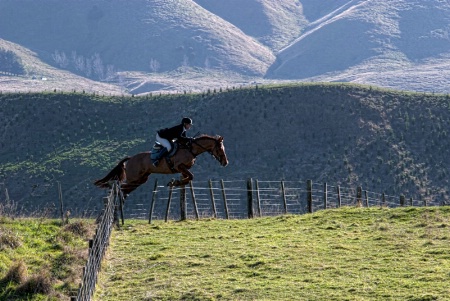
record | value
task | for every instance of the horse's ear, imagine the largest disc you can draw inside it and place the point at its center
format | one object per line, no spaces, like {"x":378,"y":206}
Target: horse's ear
{"x":220,"y":138}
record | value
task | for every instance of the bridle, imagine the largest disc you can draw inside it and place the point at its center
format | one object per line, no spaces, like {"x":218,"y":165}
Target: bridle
{"x":207,"y":150}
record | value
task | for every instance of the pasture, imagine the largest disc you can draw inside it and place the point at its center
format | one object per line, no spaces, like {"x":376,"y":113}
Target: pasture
{"x":40,"y":258}
{"x":337,"y":254}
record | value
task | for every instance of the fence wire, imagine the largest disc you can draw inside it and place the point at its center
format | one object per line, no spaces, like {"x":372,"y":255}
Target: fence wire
{"x":99,"y":244}
{"x":229,"y":199}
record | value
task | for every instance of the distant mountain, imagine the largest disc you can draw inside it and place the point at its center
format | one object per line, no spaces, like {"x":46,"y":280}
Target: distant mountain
{"x":361,"y":37}
{"x":273,"y":23}
{"x":141,"y":45}
{"x":128,"y":35}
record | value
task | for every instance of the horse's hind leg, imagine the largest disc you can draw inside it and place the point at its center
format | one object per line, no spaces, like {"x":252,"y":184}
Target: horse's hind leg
{"x":129,"y":186}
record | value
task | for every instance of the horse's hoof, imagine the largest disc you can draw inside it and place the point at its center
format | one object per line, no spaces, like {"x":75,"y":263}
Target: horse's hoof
{"x":171,"y":183}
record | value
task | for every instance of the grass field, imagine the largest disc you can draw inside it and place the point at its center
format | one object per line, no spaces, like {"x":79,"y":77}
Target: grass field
{"x":42,"y":259}
{"x":342,"y":254}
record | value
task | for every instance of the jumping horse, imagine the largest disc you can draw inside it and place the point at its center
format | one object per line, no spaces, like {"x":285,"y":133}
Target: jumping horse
{"x":134,"y":171}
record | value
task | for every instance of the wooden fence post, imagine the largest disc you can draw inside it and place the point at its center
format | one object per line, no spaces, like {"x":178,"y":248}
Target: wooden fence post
{"x":152,"y":204}
{"x":119,"y":195}
{"x":116,"y":214}
{"x":225,"y":205}
{"x":383,"y":200}
{"x":367,"y":198}
{"x":309,"y":195}
{"x":211,"y":191}
{"x":250,"y":198}
{"x":168,"y":203}
{"x":359,"y":196}
{"x":283,"y":195}
{"x":183,"y":213}
{"x":258,"y":198}
{"x":402,"y":200}
{"x":61,"y":201}
{"x":193,"y":199}
{"x":7,"y":195}
{"x":339,"y":196}
{"x":325,"y":195}
{"x":411,"y":202}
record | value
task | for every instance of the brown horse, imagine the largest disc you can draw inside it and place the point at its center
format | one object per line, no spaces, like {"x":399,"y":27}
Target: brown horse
{"x":134,"y":171}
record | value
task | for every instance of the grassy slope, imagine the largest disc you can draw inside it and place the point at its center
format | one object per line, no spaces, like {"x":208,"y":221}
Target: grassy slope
{"x":57,"y":79}
{"x":348,"y":135}
{"x":343,"y":254}
{"x":45,"y":248}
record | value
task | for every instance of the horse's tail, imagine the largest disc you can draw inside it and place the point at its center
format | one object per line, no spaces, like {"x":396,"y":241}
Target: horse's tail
{"x":116,"y":174}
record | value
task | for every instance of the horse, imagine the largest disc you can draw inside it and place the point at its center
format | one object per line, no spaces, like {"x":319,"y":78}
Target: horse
{"x":134,"y":171}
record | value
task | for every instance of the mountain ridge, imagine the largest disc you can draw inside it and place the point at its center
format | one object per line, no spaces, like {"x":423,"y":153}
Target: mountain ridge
{"x":400,"y":46}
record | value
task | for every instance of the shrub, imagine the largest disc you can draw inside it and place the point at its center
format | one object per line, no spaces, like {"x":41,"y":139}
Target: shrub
{"x":36,"y":284}
{"x":8,"y":240}
{"x":17,"y":273}
{"x":80,"y":228}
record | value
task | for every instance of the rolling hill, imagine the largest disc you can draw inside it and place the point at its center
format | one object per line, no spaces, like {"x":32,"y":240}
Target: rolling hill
{"x":383,"y":140}
{"x":168,"y":46}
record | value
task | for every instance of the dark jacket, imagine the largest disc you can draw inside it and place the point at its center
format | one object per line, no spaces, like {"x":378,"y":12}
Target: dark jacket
{"x":172,"y":133}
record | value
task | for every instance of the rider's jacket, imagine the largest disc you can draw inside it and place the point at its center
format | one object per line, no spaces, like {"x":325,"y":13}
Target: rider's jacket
{"x":173,"y":132}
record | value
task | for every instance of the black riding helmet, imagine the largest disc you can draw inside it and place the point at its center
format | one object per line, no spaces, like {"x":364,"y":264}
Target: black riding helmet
{"x":186,"y":120}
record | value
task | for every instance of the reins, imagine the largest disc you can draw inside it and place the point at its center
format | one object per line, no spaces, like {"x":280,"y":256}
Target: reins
{"x":205,"y":149}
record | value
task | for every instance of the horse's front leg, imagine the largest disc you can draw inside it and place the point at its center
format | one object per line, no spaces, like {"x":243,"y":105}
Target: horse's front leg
{"x":187,"y":176}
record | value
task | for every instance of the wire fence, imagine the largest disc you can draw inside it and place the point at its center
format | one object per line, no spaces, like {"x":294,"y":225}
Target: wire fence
{"x":239,"y":199}
{"x":98,"y":245}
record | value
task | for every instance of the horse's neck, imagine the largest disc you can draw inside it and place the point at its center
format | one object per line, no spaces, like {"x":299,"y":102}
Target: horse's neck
{"x":202,"y":146}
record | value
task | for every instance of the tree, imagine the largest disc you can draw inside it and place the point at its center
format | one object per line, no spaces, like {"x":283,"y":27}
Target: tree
{"x":154,"y":65}
{"x":60,"y":58}
{"x":10,"y":62}
{"x":97,"y":66}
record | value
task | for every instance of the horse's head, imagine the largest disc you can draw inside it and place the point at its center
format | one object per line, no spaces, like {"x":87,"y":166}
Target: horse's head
{"x":213,"y":145}
{"x":219,"y":151}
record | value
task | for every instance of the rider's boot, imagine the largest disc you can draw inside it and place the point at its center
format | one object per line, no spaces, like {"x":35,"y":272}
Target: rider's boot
{"x":161,"y":154}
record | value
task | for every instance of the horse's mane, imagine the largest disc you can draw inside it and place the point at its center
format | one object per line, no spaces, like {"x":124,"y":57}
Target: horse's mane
{"x":202,"y":136}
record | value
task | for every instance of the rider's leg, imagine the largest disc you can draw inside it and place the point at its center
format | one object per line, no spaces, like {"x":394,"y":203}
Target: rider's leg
{"x":165,"y":150}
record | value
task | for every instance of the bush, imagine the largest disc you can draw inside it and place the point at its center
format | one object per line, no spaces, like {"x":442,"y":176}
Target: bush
{"x":79,"y":228}
{"x":8,"y":240}
{"x":17,"y":273}
{"x":36,"y":284}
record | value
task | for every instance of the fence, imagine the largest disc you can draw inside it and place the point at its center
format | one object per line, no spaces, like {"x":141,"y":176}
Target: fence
{"x":247,"y":199}
{"x":98,"y":245}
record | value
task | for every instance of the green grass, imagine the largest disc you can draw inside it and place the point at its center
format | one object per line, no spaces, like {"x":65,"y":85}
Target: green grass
{"x":344,"y":254}
{"x":46,"y":257}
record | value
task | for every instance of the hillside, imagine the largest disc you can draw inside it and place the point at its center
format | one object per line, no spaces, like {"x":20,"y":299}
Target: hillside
{"x":348,"y":253}
{"x":273,"y":23}
{"x":128,"y":37}
{"x":383,"y":140}
{"x":40,"y":76}
{"x":345,"y":254}
{"x":170,"y":46}
{"x":367,"y":42}
{"x":42,"y":259}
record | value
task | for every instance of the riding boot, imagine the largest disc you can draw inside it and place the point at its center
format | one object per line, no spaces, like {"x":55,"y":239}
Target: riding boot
{"x":161,"y":154}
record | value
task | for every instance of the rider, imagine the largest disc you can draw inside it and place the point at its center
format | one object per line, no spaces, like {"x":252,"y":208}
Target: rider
{"x":164,"y":136}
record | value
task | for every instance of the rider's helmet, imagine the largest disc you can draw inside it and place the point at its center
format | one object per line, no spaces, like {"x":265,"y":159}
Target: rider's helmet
{"x":186,"y":120}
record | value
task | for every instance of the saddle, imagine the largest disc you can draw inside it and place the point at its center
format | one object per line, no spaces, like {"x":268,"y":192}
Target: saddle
{"x":157,"y":149}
